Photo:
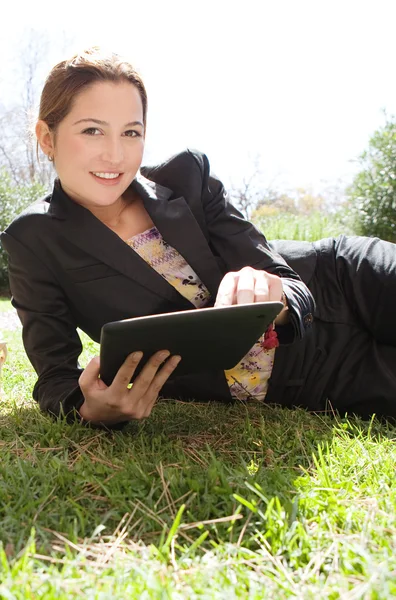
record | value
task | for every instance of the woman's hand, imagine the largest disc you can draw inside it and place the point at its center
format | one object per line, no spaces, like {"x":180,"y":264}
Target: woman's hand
{"x":115,"y":403}
{"x":251,"y":285}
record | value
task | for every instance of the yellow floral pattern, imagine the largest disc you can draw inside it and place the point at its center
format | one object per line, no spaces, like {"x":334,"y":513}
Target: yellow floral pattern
{"x":167,"y":261}
{"x":248,"y":380}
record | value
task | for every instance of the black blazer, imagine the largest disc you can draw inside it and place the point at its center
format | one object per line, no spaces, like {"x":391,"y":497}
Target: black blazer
{"x":67,"y":270}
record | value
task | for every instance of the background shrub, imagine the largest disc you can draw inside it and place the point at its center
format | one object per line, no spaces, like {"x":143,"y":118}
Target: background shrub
{"x":373,"y":191}
{"x":13,"y":199}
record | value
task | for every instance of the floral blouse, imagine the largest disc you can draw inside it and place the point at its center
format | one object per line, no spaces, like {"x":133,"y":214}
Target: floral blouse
{"x":248,"y":380}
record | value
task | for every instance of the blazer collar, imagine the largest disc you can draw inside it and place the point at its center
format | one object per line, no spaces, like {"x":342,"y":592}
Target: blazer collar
{"x":172,"y":217}
{"x":62,"y":207}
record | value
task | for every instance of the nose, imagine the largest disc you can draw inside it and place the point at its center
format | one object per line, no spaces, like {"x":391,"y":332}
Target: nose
{"x":113,"y":152}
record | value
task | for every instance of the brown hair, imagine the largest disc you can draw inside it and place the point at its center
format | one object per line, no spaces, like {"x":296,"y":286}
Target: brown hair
{"x":69,"y":77}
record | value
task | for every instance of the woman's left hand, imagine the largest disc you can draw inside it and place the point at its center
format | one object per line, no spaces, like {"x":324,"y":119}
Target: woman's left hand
{"x":251,"y":285}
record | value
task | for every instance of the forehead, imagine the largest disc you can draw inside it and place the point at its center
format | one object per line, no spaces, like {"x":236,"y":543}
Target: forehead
{"x":116,"y":99}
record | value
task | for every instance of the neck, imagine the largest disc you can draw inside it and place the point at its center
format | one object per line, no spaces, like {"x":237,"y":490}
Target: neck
{"x":111,"y":215}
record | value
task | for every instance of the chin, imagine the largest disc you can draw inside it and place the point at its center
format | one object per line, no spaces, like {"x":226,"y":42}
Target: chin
{"x":106,"y":195}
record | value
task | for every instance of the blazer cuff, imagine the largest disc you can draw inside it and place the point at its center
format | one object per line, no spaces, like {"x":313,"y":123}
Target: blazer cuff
{"x":300,"y":313}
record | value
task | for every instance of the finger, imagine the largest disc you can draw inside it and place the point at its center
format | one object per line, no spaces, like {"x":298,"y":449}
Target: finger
{"x":126,"y":371}
{"x":275,"y":288}
{"x":261,"y":290}
{"x":246,"y":285}
{"x":147,"y":374}
{"x":158,"y":381}
{"x":90,"y":375}
{"x":226,"y":292}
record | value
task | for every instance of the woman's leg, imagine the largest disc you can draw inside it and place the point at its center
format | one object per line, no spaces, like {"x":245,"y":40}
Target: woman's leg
{"x":353,"y":358}
{"x":356,"y":280}
{"x":374,"y":391}
{"x":366,"y":272}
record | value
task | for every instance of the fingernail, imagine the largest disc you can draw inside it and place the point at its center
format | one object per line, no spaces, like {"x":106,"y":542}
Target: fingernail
{"x":137,"y":355}
{"x":176,"y":360}
{"x":164,"y":355}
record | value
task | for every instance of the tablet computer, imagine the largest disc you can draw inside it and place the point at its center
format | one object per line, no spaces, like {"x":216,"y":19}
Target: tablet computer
{"x":207,"y":339}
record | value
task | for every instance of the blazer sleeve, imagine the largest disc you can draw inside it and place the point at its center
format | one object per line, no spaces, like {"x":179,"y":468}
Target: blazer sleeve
{"x":241,"y":244}
{"x":49,"y":333}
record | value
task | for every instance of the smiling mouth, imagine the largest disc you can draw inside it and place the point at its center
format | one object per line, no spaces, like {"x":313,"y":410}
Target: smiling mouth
{"x":106,"y":175}
{"x":106,"y":178}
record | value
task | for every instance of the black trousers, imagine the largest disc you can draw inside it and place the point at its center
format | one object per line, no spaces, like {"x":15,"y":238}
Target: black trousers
{"x":348,"y":362}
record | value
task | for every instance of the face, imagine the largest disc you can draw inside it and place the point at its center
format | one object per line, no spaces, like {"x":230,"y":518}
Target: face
{"x":98,"y":147}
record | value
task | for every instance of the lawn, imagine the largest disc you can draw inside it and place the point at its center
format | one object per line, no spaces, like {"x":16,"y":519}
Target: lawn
{"x":198,"y":501}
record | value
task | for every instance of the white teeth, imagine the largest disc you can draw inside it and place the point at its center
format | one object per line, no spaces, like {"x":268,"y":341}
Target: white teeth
{"x":107,"y":175}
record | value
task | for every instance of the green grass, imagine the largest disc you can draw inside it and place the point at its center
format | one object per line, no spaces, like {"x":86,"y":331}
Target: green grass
{"x":312,"y":227}
{"x":198,"y":501}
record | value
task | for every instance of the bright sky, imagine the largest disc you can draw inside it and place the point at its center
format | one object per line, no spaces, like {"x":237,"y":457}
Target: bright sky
{"x":301,"y":83}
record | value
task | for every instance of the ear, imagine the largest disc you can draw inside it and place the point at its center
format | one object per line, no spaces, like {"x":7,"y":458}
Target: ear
{"x":45,"y":138}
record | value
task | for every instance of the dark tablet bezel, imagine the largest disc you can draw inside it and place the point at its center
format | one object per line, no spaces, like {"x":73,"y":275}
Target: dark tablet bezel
{"x":215,"y":338}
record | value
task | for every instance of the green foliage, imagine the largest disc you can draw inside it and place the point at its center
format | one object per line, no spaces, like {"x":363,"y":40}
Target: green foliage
{"x":373,"y":191}
{"x":13,"y":199}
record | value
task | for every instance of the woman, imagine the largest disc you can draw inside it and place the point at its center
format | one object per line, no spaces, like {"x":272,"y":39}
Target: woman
{"x":110,"y":243}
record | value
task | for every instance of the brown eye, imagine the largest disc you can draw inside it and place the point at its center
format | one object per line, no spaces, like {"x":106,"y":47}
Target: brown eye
{"x":132,"y":133}
{"x":91,"y":131}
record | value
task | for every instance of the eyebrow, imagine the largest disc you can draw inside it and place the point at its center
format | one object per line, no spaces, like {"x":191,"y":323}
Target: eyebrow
{"x":99,"y":122}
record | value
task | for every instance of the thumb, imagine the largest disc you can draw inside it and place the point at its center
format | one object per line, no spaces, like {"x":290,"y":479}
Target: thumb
{"x":90,"y":374}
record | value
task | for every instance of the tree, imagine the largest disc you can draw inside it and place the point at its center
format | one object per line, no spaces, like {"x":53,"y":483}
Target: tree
{"x":17,"y":140}
{"x":17,"y":145}
{"x":275,"y":202}
{"x":253,"y":195}
{"x":373,"y":191}
{"x":252,"y":191}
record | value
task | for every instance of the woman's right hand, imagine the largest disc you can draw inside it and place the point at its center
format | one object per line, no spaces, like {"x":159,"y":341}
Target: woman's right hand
{"x":112,"y":404}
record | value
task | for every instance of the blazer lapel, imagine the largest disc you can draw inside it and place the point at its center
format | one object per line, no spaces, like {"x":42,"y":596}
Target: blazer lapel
{"x":179,"y":227}
{"x":172,"y":217}
{"x":97,"y":240}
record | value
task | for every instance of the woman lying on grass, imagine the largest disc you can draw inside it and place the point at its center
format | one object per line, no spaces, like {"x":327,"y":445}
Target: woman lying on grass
{"x":112,"y":242}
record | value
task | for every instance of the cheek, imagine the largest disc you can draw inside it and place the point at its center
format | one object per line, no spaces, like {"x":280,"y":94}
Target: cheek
{"x":73,"y":149}
{"x":72,"y":156}
{"x":78,"y":146}
{"x":136,"y":147}
{"x":134,"y":155}
{"x":139,"y":155}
